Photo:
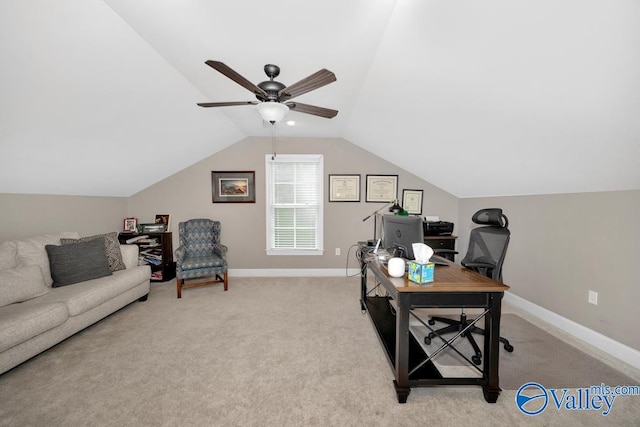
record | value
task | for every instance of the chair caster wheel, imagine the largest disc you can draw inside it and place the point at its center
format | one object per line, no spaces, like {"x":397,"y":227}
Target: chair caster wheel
{"x":427,"y":340}
{"x":431,"y":322}
{"x":476,"y":359}
{"x":509,"y":348}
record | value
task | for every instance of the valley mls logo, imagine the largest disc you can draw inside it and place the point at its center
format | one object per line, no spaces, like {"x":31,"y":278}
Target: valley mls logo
{"x":533,"y":398}
{"x":534,"y":401}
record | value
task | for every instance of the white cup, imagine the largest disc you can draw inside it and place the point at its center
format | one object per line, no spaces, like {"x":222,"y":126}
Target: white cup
{"x":396,"y":267}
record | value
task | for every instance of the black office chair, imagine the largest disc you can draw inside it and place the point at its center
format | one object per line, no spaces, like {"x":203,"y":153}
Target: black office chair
{"x":486,"y":253}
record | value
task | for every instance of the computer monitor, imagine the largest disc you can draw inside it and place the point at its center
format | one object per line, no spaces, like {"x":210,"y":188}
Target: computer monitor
{"x":401,"y":232}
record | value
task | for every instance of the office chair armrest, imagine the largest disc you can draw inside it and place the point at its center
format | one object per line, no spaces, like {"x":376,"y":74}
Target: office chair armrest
{"x":478,"y":265}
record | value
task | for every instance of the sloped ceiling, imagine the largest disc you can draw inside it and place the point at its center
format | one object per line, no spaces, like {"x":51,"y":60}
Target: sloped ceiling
{"x":480,"y":98}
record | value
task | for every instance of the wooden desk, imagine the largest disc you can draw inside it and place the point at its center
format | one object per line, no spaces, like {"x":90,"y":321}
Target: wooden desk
{"x":454,"y":286}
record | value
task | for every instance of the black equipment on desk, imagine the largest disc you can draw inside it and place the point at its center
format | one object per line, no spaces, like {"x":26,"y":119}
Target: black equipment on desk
{"x":437,"y":228}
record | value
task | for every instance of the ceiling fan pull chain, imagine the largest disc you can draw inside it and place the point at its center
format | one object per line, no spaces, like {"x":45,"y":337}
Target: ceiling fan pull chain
{"x":273,"y":140}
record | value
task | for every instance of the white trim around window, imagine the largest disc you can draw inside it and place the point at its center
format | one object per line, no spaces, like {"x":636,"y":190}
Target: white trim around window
{"x":294,"y":204}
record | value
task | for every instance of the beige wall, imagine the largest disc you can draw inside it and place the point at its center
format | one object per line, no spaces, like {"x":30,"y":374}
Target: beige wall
{"x":564,"y":245}
{"x":187,"y":194}
{"x":23,"y":215}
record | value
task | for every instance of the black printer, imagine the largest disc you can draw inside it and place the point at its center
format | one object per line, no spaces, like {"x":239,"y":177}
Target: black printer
{"x":437,"y":228}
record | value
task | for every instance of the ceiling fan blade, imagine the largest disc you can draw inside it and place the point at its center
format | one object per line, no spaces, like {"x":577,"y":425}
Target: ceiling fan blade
{"x":314,"y":81}
{"x":226,"y":104}
{"x":312,"y":109}
{"x":224,"y":69}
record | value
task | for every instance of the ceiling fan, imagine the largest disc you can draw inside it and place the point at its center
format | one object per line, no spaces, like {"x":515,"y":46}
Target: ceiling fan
{"x":274,"y":97}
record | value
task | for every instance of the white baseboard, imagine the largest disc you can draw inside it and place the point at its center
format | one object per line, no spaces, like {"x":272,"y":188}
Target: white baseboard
{"x":596,"y":339}
{"x":293,"y":272}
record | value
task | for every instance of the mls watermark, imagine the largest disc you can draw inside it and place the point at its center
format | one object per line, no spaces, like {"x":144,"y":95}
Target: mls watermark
{"x":533,"y":398}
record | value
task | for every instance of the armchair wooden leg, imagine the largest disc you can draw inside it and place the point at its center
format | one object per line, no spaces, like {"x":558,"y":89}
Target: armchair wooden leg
{"x":179,"y":283}
{"x":226,"y":281}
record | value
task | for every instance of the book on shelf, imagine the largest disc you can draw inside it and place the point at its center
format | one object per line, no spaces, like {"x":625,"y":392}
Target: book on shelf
{"x":152,"y":260}
{"x":151,"y":254}
{"x":137,"y":238}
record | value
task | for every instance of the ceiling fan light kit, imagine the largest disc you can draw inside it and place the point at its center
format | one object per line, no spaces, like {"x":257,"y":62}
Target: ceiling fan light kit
{"x":273,"y":97}
{"x":272,"y":112}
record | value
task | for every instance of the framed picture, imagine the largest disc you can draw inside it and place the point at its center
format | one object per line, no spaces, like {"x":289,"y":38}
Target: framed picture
{"x":344,"y":188}
{"x":382,"y":188}
{"x":412,"y":201}
{"x":233,"y":186}
{"x":163,"y":219}
{"x":130,"y":225}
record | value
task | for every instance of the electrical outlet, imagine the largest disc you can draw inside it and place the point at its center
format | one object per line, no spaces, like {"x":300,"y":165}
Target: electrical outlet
{"x":337,"y":251}
{"x":593,"y":298}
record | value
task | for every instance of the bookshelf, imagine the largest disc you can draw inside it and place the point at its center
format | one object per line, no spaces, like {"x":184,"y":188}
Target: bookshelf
{"x":156,"y":250}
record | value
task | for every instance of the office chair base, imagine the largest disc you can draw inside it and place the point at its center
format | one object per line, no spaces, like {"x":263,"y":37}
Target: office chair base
{"x":457,"y":326}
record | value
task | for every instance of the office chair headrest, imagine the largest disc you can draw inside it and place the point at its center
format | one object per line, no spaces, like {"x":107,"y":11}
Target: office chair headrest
{"x":491,"y":216}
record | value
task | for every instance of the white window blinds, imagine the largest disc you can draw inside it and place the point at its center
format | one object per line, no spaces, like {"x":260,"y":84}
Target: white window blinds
{"x":294,"y":204}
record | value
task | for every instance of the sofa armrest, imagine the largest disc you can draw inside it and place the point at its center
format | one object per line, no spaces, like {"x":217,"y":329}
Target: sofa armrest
{"x":129,"y":255}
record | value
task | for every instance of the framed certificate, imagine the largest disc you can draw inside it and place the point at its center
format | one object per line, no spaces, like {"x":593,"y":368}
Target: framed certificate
{"x":344,"y":188}
{"x":382,"y":188}
{"x":412,"y":201}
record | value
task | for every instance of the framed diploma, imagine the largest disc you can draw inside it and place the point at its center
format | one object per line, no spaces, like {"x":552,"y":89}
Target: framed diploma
{"x":382,"y":188}
{"x":344,"y":188}
{"x":412,"y":201}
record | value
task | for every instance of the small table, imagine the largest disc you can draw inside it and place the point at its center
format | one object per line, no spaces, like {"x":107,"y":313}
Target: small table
{"x":455,"y":286}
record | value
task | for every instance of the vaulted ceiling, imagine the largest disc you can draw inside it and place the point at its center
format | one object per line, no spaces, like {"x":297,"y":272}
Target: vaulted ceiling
{"x":481,"y":98}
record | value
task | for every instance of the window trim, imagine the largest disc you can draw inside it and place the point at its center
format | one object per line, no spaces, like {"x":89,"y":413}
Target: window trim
{"x":319,"y":158}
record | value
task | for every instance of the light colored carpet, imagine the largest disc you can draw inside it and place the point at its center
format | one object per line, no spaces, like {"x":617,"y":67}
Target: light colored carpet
{"x":268,"y":352}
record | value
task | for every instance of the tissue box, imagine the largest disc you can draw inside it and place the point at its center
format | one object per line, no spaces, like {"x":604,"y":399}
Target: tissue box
{"x":421,"y":273}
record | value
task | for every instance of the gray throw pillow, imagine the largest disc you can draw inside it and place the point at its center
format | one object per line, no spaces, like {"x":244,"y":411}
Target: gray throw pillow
{"x":78,"y":262}
{"x":111,"y":245}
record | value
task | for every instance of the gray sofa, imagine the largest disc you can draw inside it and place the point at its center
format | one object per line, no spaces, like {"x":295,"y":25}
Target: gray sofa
{"x":44,"y":298}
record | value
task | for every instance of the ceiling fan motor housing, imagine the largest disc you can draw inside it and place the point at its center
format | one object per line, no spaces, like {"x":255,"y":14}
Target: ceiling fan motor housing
{"x":272,"y":88}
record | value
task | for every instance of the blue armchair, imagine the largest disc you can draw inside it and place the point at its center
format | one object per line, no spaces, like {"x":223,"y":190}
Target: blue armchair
{"x":200,"y":254}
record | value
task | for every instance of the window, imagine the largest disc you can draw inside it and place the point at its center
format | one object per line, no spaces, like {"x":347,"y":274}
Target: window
{"x":294,"y":204}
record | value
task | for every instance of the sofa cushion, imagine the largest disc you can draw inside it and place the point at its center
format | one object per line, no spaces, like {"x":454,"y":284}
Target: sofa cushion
{"x":31,"y":251}
{"x":84,"y":296}
{"x":20,"y":284}
{"x":111,"y":245}
{"x":8,"y":255}
{"x":130,"y":255}
{"x":78,"y":262}
{"x":20,"y":322}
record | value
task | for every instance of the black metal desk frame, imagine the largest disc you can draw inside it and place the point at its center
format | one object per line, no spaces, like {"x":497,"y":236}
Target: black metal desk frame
{"x":411,"y":365}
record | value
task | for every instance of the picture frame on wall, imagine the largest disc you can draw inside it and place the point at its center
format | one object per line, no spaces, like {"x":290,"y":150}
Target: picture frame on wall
{"x":233,"y":186}
{"x":130,"y":225}
{"x":412,"y":201}
{"x":382,"y":188}
{"x":344,"y":188}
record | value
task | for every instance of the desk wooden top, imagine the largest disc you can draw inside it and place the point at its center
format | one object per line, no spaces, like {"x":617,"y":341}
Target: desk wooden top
{"x":450,"y":278}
